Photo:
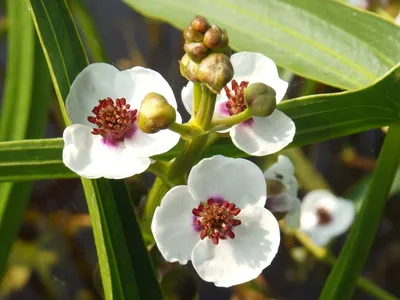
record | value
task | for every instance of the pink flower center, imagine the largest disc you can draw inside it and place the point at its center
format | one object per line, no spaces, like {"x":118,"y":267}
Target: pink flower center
{"x":236,"y":103}
{"x":323,"y":216}
{"x":114,"y":120}
{"x":215,"y":219}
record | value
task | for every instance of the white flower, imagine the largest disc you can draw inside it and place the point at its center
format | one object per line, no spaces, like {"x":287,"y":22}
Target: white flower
{"x":104,"y":140}
{"x":281,"y":176}
{"x":325,"y":216}
{"x":259,"y":135}
{"x":229,"y":250}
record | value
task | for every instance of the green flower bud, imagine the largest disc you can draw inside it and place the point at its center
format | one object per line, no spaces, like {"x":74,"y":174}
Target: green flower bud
{"x":189,"y":69}
{"x":191,"y":35}
{"x":215,"y":71}
{"x":260,"y":99}
{"x":200,"y":24}
{"x":196,"y":51}
{"x":216,"y":38}
{"x":155,"y":113}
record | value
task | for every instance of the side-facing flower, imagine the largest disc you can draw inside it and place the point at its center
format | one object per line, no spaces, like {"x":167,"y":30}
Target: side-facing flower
{"x":218,"y":221}
{"x":259,"y":135}
{"x":104,"y":140}
{"x":282,"y":191}
{"x":325,"y":216}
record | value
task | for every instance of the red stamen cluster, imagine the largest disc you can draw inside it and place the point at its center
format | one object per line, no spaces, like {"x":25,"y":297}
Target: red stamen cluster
{"x":324,"y":217}
{"x":236,"y":104}
{"x":114,"y":120}
{"x":215,"y":219}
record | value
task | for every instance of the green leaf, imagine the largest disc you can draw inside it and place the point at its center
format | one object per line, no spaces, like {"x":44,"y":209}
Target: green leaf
{"x":342,"y":280}
{"x":125,"y":275}
{"x":323,"y":40}
{"x":89,"y":30}
{"x":33,"y":160}
{"x":23,"y":113}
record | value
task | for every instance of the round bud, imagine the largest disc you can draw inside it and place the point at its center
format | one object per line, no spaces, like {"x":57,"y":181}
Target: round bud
{"x":200,"y":24}
{"x":189,"y":69}
{"x":215,"y":71}
{"x":196,"y":51}
{"x":216,"y":38}
{"x":155,"y":113}
{"x":191,"y":35}
{"x":260,"y":99}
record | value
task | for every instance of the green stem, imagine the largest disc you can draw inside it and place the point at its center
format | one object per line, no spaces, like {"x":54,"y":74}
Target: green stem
{"x":159,"y":169}
{"x":323,"y":255}
{"x":197,"y":90}
{"x":193,"y":148}
{"x":157,"y":191}
{"x":186,"y":131}
{"x":227,"y":122}
{"x":191,"y":152}
{"x":206,"y":109}
{"x":341,"y":281}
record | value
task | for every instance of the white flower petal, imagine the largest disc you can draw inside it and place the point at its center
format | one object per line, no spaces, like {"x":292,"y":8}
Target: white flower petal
{"x":96,"y":82}
{"x":88,"y":156}
{"x":172,"y":225}
{"x":316,"y":199}
{"x":283,"y":171}
{"x":238,"y":260}
{"x":145,"y":81}
{"x":187,"y":95}
{"x":256,"y":67}
{"x":145,"y":145}
{"x":265,"y":135}
{"x":343,"y":216}
{"x":233,"y":179}
{"x":341,"y":211}
{"x":292,"y":218}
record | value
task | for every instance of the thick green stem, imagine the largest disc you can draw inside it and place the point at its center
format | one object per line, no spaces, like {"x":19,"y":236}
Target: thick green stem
{"x":343,"y":277}
{"x":191,"y":152}
{"x":197,"y":90}
{"x":157,"y":191}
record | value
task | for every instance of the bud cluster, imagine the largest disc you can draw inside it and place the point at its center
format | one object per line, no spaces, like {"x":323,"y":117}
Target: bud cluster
{"x":201,"y":39}
{"x":207,"y":55}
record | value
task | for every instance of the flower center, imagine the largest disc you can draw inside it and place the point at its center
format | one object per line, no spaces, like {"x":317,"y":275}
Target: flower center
{"x":323,"y":216}
{"x":236,"y":103}
{"x":114,"y":119}
{"x":215,"y":219}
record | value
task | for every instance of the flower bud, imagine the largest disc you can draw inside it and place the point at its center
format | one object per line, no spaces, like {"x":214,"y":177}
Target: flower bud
{"x":216,"y":38}
{"x":155,"y":113}
{"x":260,"y":99}
{"x":200,"y":24}
{"x":191,"y":35}
{"x":189,"y":69}
{"x":215,"y":71}
{"x":196,"y":51}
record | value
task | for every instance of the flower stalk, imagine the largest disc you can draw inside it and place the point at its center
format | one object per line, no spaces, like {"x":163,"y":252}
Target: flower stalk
{"x":192,"y":149}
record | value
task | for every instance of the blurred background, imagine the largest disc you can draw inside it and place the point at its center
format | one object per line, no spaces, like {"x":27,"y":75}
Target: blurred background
{"x":54,"y":256}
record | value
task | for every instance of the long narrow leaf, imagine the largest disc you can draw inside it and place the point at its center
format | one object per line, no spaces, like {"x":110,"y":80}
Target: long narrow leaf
{"x":119,"y":269}
{"x":23,"y":113}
